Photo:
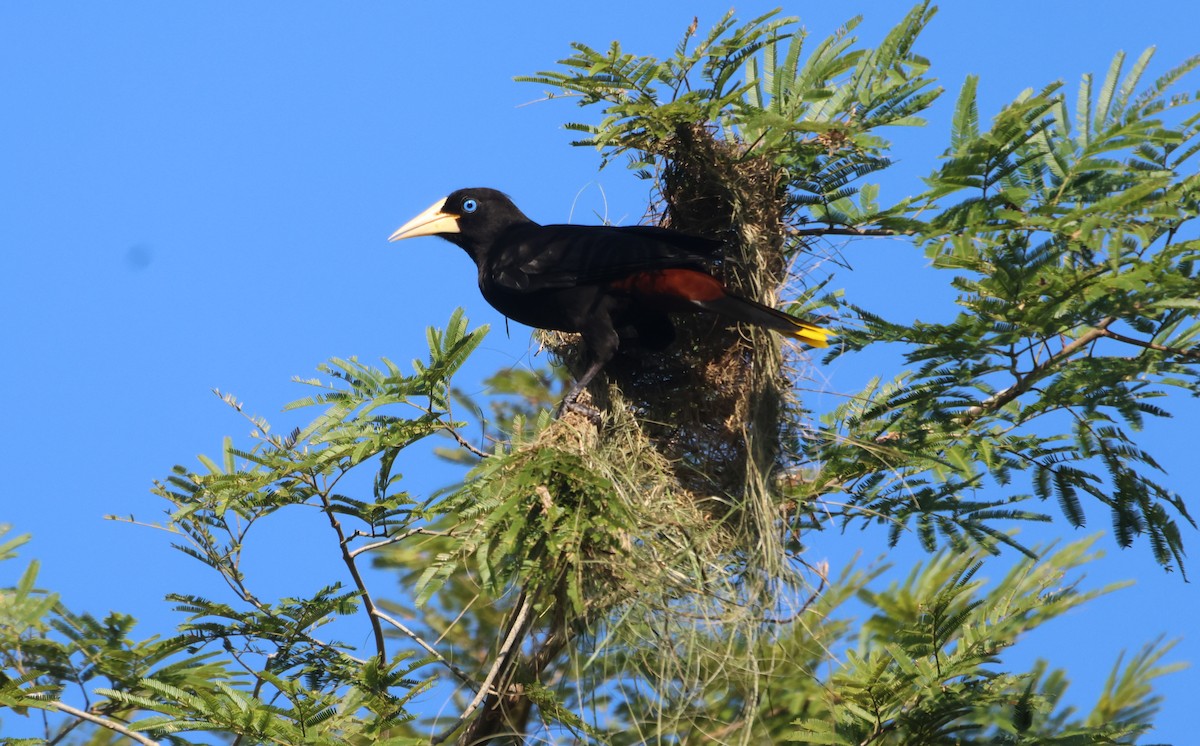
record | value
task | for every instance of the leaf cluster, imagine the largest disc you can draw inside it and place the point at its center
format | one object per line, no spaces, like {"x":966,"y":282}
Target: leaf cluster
{"x":924,"y":668}
{"x":47,"y":652}
{"x":262,"y":669}
{"x":1072,"y":243}
{"x":814,"y":111}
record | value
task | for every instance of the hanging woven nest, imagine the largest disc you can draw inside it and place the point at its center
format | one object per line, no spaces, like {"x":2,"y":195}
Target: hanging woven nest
{"x":712,"y":402}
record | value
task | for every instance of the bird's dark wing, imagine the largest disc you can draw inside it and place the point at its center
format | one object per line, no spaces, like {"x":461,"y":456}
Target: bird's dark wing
{"x":537,"y":257}
{"x":698,"y":245}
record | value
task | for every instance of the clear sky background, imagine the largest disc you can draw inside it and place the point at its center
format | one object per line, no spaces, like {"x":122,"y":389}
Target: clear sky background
{"x":198,"y":196}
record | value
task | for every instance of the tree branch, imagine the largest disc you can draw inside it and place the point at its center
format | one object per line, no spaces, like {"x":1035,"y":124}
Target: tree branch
{"x":461,"y":674}
{"x":352,"y":566}
{"x":1026,"y":382}
{"x":64,"y":731}
{"x":103,"y":723}
{"x":831,"y":230}
{"x":397,"y":538}
{"x":1193,"y":354}
{"x":511,"y":642}
{"x":465,"y":444}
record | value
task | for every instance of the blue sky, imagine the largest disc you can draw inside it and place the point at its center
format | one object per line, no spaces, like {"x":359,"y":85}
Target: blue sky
{"x":198,"y":196}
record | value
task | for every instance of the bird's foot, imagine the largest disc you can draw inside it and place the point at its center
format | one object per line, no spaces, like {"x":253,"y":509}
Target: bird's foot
{"x":571,"y":405}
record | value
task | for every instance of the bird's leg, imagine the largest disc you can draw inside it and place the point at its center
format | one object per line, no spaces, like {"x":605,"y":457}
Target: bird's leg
{"x":601,"y":341}
{"x":570,"y":401}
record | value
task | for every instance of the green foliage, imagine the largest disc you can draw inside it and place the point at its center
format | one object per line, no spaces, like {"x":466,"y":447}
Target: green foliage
{"x":294,"y":714}
{"x":537,"y":518}
{"x":513,"y":395}
{"x":261,"y":670}
{"x":1074,"y":257}
{"x":572,"y":587}
{"x":923,"y":669}
{"x":816,"y":116}
{"x":925,"y":666}
{"x":45,"y":650}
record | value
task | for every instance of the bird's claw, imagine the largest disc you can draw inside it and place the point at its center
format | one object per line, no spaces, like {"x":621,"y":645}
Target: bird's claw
{"x":591,"y":413}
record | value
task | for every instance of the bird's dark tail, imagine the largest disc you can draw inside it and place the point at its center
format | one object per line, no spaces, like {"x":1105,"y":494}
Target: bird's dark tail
{"x":747,"y":311}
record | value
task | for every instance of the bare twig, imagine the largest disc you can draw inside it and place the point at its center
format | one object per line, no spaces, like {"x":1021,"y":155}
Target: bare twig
{"x":1193,"y":354}
{"x":831,"y":230}
{"x":103,"y":723}
{"x":511,"y":641}
{"x":64,"y":731}
{"x":454,"y":622}
{"x":823,"y":576}
{"x":464,"y":443}
{"x":461,"y":674}
{"x":352,"y":566}
{"x":449,"y":414}
{"x":550,"y":97}
{"x":1027,"y":381}
{"x":397,"y":538}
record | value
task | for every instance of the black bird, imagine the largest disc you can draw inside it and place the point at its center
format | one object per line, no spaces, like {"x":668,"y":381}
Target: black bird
{"x":605,"y":283}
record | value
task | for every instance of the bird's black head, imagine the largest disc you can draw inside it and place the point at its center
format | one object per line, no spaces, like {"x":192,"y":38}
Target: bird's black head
{"x":471,"y":218}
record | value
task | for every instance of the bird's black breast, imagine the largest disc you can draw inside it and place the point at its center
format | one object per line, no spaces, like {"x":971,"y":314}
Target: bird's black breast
{"x":562,"y":309}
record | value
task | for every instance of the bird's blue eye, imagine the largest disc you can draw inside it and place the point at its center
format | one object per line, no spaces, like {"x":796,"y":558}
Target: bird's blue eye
{"x":470,"y":205}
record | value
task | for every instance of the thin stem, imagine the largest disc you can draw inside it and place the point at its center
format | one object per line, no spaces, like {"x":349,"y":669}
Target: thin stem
{"x":461,"y":674}
{"x":1026,"y":382}
{"x":103,"y":723}
{"x":465,"y":444}
{"x":835,"y":231}
{"x":453,"y":432}
{"x":65,"y":731}
{"x":1193,"y":354}
{"x":397,"y":538}
{"x":359,"y":583}
{"x":515,"y":633}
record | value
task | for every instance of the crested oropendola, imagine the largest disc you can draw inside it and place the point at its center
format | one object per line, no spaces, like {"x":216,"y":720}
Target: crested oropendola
{"x":605,"y":283}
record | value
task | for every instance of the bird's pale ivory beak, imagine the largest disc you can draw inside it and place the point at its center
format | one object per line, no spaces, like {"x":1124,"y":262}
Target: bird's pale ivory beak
{"x":431,"y":222}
